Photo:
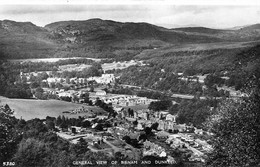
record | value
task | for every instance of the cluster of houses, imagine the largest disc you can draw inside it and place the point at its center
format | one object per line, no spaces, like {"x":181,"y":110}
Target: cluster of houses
{"x":197,"y":146}
{"x":81,"y":110}
{"x":62,"y":93}
{"x":123,"y":126}
{"x":114,"y":99}
{"x":166,"y":121}
{"x":4,"y":110}
{"x":153,"y":149}
{"x":30,"y":74}
{"x":74,"y":80}
{"x":69,"y":93}
{"x":146,"y":118}
{"x":121,"y":131}
{"x":103,"y":79}
{"x":91,"y":137}
{"x":121,"y":100}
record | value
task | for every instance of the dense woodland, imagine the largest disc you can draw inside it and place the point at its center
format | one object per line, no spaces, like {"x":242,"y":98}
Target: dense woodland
{"x":235,"y":125}
{"x":161,"y":71}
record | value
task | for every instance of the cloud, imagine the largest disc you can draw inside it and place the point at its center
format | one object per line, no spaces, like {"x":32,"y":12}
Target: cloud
{"x":164,"y":15}
{"x":34,"y":9}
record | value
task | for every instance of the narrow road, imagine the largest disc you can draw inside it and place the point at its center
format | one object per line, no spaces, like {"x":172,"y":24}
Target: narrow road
{"x":183,"y":96}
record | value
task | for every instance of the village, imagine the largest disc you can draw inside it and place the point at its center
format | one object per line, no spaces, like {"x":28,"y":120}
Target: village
{"x":133,"y":133}
{"x":143,"y":131}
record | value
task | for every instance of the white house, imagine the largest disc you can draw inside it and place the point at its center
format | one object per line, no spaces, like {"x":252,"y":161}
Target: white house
{"x":170,"y":117}
{"x":100,"y":93}
{"x":198,"y":131}
{"x":139,"y":126}
{"x":104,"y":79}
{"x":64,"y":94}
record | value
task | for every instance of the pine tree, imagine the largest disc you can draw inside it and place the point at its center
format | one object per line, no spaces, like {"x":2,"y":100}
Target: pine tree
{"x":59,"y":121}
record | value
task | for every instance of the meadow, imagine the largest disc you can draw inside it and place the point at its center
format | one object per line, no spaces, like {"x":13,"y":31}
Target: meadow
{"x":73,"y":67}
{"x":118,"y":65}
{"x":31,"y":108}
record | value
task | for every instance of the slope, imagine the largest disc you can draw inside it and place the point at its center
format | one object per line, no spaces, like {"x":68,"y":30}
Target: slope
{"x":110,"y":39}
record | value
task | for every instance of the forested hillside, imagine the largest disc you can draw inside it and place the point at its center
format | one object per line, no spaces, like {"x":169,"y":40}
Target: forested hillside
{"x":161,"y":72}
{"x":109,"y":39}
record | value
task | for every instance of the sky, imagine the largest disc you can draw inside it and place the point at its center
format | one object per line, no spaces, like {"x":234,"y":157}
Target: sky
{"x":159,"y":12}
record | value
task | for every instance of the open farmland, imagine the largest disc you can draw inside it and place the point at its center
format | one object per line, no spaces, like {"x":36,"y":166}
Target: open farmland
{"x":73,"y":67}
{"x":30,"y":108}
{"x":118,"y":65}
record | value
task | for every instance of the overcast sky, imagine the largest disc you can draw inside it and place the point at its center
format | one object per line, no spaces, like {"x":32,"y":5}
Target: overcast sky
{"x":167,"y":15}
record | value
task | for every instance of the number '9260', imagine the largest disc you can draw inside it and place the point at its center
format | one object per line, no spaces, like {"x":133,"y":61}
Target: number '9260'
{"x":8,"y":163}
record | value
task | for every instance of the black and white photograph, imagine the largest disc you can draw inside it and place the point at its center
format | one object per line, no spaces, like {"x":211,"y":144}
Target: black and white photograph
{"x":134,"y":83}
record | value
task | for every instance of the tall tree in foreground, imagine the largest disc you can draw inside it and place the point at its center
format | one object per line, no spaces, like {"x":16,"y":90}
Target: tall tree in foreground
{"x":9,"y":136}
{"x":236,"y":128}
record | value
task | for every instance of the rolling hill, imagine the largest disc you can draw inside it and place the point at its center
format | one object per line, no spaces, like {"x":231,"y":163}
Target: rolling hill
{"x":105,"y":30}
{"x":244,"y":33}
{"x":24,"y":39}
{"x":106,"y":38}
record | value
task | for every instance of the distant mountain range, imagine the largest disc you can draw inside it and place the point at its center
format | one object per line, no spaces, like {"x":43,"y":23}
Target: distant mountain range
{"x":99,"y":38}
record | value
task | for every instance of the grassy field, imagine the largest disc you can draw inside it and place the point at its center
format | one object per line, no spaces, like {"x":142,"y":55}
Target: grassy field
{"x":73,"y":67}
{"x":117,"y":65}
{"x":30,"y":108}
